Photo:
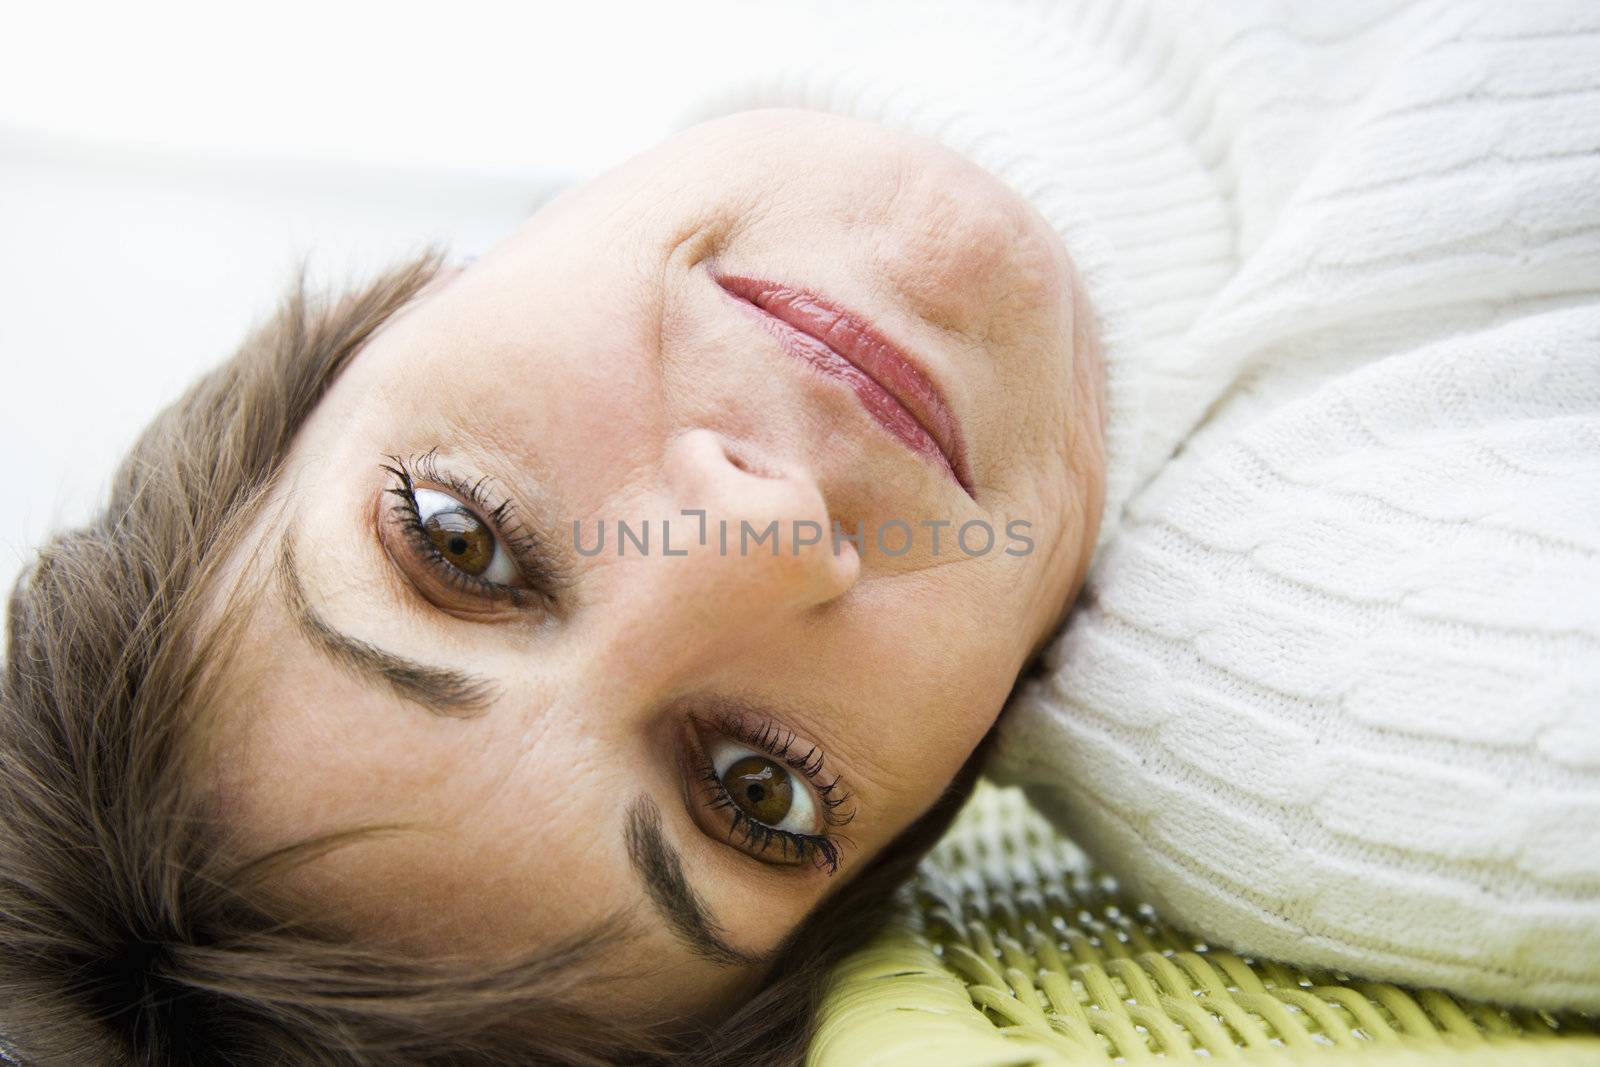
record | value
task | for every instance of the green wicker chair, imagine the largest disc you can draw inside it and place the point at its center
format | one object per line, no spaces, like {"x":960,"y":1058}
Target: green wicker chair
{"x":1014,"y":952}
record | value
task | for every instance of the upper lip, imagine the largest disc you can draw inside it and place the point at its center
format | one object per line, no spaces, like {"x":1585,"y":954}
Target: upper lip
{"x":857,"y":342}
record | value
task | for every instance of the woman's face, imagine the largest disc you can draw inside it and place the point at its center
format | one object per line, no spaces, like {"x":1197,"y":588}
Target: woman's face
{"x":707,"y":728}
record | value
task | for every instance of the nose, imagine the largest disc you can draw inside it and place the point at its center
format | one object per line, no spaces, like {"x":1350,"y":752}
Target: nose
{"x":742,"y":557}
{"x":758,"y":535}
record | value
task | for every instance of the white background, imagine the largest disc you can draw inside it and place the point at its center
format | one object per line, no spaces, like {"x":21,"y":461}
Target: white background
{"x":164,"y":167}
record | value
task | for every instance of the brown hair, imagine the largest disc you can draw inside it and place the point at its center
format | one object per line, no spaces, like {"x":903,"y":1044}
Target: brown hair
{"x":126,"y":937}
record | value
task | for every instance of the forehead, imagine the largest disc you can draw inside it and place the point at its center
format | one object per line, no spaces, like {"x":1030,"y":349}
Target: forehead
{"x":310,"y":747}
{"x":487,"y":846}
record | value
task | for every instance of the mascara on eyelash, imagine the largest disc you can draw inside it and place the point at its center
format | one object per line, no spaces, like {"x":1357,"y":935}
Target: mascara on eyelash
{"x":820,"y":849}
{"x":501,"y":518}
{"x":754,"y":836}
{"x":777,"y":742}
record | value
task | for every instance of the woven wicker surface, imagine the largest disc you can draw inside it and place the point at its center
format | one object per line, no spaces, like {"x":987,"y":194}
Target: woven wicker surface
{"x":1016,"y":952}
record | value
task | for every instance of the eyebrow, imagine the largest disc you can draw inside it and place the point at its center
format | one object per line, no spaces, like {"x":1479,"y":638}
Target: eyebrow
{"x":440,"y":690}
{"x":660,"y":867}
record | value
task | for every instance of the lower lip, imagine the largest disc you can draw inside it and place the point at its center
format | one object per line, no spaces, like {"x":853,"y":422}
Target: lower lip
{"x":884,"y":407}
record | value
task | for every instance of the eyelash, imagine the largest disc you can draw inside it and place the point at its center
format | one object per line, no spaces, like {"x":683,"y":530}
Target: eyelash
{"x":501,"y":518}
{"x":821,"y":850}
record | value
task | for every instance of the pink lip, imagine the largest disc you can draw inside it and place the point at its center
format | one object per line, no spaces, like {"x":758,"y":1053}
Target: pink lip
{"x":894,"y":390}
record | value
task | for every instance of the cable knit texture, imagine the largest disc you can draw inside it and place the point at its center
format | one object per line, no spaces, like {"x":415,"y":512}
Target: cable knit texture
{"x":1332,"y":694}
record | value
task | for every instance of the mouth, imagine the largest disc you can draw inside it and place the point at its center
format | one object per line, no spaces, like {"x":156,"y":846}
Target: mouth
{"x":894,"y":389}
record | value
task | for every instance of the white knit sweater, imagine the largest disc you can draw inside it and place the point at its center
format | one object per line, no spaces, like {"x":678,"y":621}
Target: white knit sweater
{"x":1333,"y":691}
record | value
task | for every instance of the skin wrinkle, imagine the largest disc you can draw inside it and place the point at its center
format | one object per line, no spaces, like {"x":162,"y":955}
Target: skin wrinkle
{"x":668,"y":383}
{"x":534,"y":367}
{"x":536,"y":510}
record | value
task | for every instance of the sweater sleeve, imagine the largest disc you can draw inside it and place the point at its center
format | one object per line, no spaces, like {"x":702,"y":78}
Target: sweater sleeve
{"x":1336,"y":696}
{"x":1333,"y":693}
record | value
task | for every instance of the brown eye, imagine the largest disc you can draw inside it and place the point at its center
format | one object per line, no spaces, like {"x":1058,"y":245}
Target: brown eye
{"x":463,"y":540}
{"x":761,"y":788}
{"x":759,"y":800}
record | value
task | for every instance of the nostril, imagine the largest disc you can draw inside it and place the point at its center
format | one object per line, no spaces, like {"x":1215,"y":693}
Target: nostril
{"x":739,"y":458}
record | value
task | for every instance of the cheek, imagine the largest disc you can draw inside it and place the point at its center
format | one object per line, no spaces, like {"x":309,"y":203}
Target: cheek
{"x":967,"y":258}
{"x":906,"y":686}
{"x":593,"y":445}
{"x":564,"y":386}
